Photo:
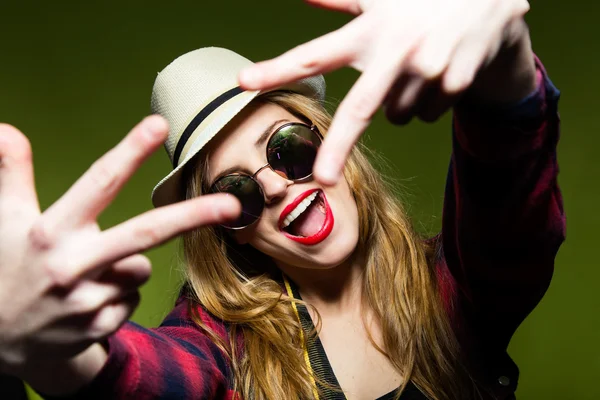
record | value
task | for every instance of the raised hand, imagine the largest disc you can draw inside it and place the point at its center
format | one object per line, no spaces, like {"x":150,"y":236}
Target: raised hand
{"x":416,"y":58}
{"x":64,"y":283}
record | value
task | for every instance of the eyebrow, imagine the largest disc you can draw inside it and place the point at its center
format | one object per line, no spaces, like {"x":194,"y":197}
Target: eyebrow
{"x":263,"y":138}
{"x":267,"y":132}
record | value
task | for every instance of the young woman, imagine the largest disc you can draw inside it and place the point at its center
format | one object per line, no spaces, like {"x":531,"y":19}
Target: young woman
{"x":319,"y":288}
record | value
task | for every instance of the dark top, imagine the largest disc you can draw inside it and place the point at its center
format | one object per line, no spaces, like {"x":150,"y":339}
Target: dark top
{"x":320,"y":365}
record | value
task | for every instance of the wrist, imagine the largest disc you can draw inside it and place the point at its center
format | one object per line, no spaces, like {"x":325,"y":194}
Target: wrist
{"x":66,"y":377}
{"x":511,"y":75}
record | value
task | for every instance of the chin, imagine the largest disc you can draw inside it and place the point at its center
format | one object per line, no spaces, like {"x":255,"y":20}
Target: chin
{"x":340,"y":250}
{"x":331,"y":253}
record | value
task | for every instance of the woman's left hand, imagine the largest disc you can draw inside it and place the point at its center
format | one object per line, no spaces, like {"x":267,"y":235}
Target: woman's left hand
{"x":416,"y":58}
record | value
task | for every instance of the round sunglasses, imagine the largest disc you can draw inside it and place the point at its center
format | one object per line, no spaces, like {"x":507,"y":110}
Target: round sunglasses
{"x":291,"y":153}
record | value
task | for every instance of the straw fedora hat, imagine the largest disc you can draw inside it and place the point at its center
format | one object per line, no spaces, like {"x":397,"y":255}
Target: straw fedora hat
{"x":198,"y":94}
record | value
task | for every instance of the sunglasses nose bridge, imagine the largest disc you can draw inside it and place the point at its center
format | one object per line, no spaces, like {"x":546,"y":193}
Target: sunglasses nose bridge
{"x":274,"y":184}
{"x":260,"y":169}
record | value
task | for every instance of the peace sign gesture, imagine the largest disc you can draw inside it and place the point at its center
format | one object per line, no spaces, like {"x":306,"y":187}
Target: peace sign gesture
{"x":64,"y":283}
{"x":416,"y":58}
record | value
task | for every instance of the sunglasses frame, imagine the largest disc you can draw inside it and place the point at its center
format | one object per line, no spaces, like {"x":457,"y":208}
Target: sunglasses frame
{"x":312,"y":127}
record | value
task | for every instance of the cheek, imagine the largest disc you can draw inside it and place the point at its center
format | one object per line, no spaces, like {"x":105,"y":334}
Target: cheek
{"x":346,"y":219}
{"x":350,"y":222}
{"x":348,"y":204}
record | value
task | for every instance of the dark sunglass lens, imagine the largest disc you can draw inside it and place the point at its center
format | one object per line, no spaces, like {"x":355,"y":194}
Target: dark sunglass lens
{"x":248,"y":193}
{"x":292,"y":150}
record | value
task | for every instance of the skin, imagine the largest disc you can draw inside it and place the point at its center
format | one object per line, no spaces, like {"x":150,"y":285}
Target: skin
{"x":81,"y":283}
{"x":423,"y":77}
{"x":417,"y":59}
{"x":415,"y":62}
{"x":328,"y":274}
{"x":236,"y":147}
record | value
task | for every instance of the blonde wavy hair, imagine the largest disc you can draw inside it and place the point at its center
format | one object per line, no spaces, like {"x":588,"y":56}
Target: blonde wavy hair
{"x":242,"y":287}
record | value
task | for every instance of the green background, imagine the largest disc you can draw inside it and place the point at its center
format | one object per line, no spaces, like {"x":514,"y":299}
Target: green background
{"x":76,"y":76}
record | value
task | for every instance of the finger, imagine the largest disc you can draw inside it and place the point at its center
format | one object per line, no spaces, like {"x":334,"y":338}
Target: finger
{"x":75,"y":332}
{"x":467,"y":60}
{"x":17,"y":186}
{"x":352,"y":117}
{"x":347,"y":6}
{"x":105,"y":285}
{"x":89,"y":296}
{"x":151,"y":229}
{"x":435,"y":105}
{"x":326,"y":53}
{"x":96,"y":189}
{"x":404,"y":98}
{"x":110,"y":318}
{"x":477,"y":44}
{"x":433,"y":54}
{"x":130,"y":272}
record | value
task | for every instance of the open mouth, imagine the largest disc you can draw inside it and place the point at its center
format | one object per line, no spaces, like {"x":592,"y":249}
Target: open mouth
{"x":309,"y":219}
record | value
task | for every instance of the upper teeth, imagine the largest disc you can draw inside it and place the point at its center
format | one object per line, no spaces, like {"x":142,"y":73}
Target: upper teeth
{"x":299,"y":209}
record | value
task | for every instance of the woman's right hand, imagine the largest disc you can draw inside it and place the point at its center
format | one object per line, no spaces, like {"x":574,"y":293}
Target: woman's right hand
{"x":64,"y":283}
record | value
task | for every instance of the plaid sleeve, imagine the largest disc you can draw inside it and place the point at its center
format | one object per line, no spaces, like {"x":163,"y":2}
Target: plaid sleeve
{"x":173,"y":361}
{"x":503,"y":218}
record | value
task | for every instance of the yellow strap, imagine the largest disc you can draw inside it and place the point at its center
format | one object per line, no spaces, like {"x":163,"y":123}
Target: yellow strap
{"x":290,"y":293}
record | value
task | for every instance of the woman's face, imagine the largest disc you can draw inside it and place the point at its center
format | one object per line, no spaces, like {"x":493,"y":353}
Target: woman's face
{"x":309,"y":241}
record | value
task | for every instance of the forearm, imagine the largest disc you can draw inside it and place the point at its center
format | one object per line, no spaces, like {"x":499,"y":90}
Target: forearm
{"x":511,"y":76}
{"x":503,"y":214}
{"x":67,"y":377}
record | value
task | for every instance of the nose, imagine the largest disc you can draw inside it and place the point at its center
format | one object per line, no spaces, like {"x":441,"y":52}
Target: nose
{"x":274,"y":184}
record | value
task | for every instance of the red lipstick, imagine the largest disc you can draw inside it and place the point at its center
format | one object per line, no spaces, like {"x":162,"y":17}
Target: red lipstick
{"x":325,"y":230}
{"x":290,"y":207}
